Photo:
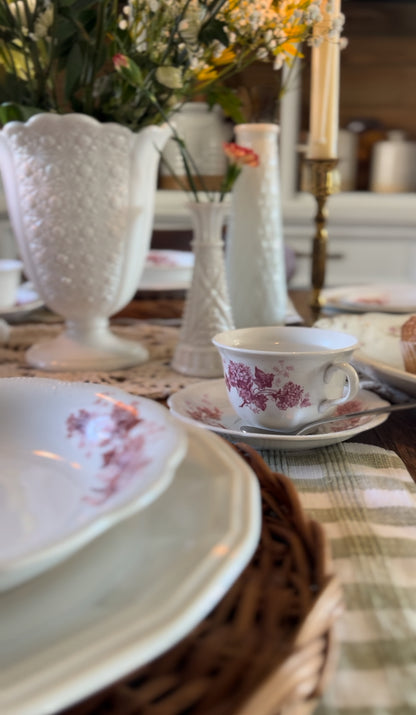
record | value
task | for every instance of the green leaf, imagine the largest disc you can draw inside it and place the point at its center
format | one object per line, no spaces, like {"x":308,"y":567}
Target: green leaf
{"x":11,"y":112}
{"x":74,"y":68}
{"x":64,"y":29}
{"x":79,"y":5}
{"x":228,"y":101}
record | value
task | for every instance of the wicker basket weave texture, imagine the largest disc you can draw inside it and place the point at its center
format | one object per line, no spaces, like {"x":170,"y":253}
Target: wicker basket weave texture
{"x":267,"y":648}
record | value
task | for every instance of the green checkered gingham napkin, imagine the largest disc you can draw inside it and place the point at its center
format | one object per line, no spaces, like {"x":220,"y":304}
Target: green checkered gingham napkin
{"x":366,"y":501}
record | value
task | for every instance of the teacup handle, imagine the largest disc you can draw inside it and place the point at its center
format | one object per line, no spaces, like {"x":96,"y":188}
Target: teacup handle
{"x":352,"y":387}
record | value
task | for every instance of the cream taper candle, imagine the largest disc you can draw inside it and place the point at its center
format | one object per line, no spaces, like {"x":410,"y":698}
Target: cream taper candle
{"x":325,"y":78}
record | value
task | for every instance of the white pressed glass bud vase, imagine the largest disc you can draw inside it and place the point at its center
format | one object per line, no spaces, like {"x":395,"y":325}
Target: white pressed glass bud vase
{"x":255,"y":256}
{"x":80,"y":196}
{"x":207,"y":308}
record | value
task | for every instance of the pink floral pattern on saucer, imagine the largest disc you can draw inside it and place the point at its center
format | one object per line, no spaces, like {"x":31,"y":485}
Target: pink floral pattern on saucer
{"x":256,"y":387}
{"x":205,"y":412}
{"x":351,"y":422}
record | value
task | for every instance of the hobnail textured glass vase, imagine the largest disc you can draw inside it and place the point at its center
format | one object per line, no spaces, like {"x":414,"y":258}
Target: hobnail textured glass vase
{"x":255,"y":254}
{"x":81,"y":196}
{"x":207,"y":308}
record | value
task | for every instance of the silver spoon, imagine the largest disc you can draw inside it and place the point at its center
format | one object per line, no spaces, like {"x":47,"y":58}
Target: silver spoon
{"x":310,"y":426}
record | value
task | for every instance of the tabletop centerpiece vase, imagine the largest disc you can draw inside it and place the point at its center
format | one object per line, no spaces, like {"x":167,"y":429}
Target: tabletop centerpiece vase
{"x":80,"y":196}
{"x":207,"y":309}
{"x":255,"y":255}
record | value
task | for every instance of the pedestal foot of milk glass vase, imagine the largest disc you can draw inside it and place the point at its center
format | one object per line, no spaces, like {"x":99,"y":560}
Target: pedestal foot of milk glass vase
{"x":90,"y":346}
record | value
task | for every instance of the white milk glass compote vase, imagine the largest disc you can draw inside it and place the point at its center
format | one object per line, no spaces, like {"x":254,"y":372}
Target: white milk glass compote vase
{"x":255,"y":256}
{"x":80,"y":196}
{"x":207,"y":306}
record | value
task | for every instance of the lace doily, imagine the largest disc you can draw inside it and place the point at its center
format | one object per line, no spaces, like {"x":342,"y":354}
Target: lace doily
{"x":154,"y":379}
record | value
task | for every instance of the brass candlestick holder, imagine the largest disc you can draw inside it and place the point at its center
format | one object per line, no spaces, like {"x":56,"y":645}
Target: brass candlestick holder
{"x":323,"y":180}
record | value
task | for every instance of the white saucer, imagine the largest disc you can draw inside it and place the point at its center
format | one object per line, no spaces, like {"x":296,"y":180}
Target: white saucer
{"x":26,"y":300}
{"x":206,"y":404}
{"x":385,"y":297}
{"x":76,"y":458}
{"x":135,"y":591}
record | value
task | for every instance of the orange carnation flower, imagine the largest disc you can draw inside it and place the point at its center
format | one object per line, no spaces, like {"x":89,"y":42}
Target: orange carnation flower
{"x":240,"y":155}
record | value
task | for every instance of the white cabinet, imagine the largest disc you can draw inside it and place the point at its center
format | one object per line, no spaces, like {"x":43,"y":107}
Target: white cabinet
{"x":371,"y":237}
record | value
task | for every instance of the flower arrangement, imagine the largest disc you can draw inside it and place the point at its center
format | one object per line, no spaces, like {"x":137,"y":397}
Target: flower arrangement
{"x":57,"y":55}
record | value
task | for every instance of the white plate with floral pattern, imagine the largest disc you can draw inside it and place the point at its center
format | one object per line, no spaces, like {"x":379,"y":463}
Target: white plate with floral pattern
{"x":26,"y":300}
{"x":134,"y":592}
{"x":167,"y":270}
{"x":384,"y":297}
{"x":206,"y":405}
{"x":76,"y":459}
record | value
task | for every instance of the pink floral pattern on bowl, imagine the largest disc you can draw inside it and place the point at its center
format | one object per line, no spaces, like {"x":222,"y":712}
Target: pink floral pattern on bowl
{"x":124,"y":452}
{"x":256,"y":388}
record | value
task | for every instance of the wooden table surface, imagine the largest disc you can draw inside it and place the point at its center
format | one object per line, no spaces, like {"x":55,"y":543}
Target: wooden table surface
{"x":398,"y":433}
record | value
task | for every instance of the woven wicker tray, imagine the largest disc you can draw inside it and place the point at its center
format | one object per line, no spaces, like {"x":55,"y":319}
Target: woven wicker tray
{"x":267,"y":648}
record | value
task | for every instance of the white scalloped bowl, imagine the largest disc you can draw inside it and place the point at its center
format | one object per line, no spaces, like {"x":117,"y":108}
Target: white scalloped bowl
{"x":77,"y":458}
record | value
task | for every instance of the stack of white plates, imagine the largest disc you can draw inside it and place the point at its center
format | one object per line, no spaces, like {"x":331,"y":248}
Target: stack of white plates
{"x":120,"y":529}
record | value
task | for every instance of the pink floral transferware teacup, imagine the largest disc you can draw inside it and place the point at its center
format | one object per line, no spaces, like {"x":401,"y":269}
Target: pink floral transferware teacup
{"x":281,"y":377}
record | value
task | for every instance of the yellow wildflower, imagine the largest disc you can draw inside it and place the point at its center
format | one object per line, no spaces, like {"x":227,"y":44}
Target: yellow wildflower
{"x":208,"y":74}
{"x":226,"y":57}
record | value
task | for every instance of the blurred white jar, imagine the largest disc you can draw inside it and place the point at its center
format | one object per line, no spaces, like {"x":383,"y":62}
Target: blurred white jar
{"x":348,"y":159}
{"x":393,"y":165}
{"x":10,"y":277}
{"x":203,"y":130}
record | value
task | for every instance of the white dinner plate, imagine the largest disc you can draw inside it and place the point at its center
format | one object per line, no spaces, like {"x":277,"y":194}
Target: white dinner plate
{"x":75,"y":459}
{"x":385,"y":297}
{"x":401,"y":379}
{"x":167,"y":270}
{"x":206,"y":405}
{"x":135,"y":591}
{"x":26,"y":300}
{"x":378,"y":335}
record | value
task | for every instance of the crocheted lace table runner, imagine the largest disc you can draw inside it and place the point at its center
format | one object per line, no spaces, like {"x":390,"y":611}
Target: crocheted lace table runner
{"x":154,"y":379}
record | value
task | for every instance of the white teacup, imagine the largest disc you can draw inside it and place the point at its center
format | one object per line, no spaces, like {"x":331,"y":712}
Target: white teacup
{"x":10,"y":276}
{"x":281,"y":377}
